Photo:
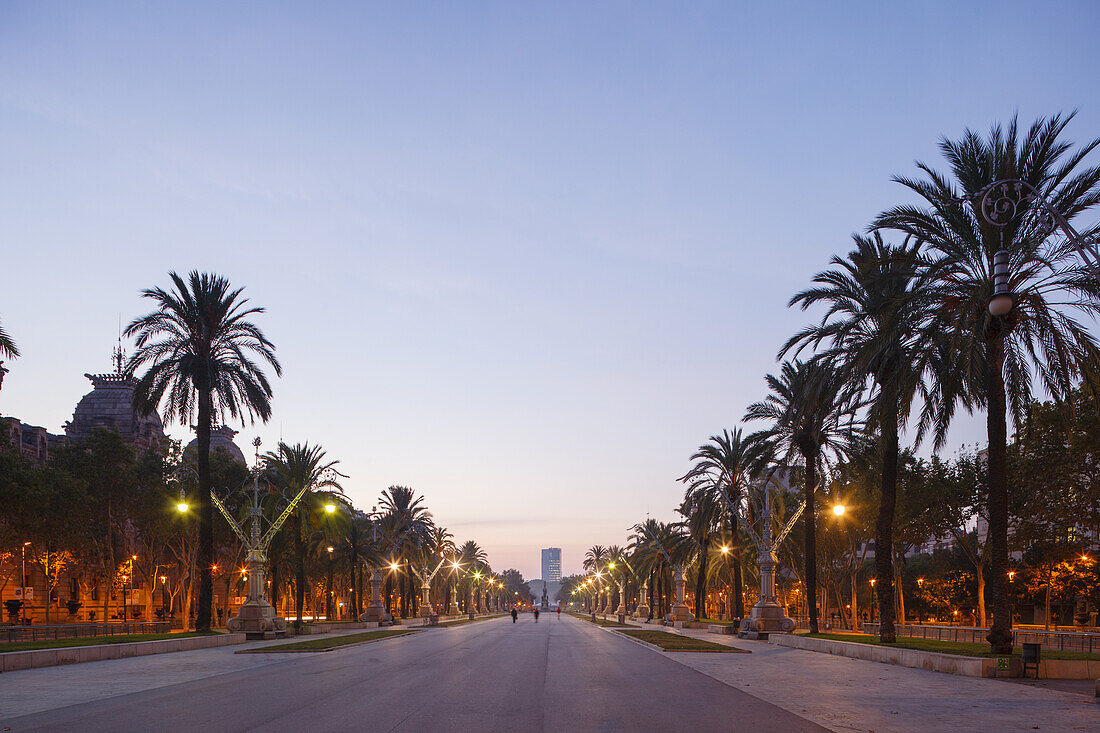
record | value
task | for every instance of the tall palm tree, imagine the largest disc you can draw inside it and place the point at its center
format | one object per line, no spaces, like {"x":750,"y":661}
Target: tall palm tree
{"x":295,"y":468}
{"x":8,"y":349}
{"x":649,"y":542}
{"x":7,"y":345}
{"x":723,"y":466}
{"x":702,"y":511}
{"x":811,"y":409}
{"x":199,"y":345}
{"x":876,"y":308}
{"x":594,"y":559}
{"x":990,"y":359}
{"x":355,"y":545}
{"x":473,"y":560}
{"x":412,"y":527}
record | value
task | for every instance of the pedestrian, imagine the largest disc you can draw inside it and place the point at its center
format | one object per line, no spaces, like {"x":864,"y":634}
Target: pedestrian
{"x":559,"y":613}
{"x":514,"y":615}
{"x":536,"y":615}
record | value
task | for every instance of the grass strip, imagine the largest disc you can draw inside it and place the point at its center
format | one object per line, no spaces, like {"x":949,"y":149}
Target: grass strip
{"x":676,"y":643}
{"x":958,"y":648}
{"x":460,"y":621}
{"x":26,"y":646}
{"x":326,"y":645}
{"x":601,"y":622}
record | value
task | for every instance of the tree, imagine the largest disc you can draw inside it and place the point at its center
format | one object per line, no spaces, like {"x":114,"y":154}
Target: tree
{"x":410,"y":524}
{"x":198,"y":345}
{"x":723,"y":466}
{"x":811,"y":410}
{"x":872,"y":327}
{"x":302,"y":468}
{"x":7,"y":345}
{"x":990,"y":359}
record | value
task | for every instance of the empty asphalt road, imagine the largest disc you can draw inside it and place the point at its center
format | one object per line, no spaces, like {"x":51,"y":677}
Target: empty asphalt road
{"x":559,"y":674}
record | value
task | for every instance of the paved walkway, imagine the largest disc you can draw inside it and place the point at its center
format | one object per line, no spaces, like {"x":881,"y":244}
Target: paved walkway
{"x":855,"y":695}
{"x":559,"y":674}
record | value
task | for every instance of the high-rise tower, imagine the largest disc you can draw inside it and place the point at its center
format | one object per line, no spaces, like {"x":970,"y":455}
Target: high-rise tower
{"x":551,"y":564}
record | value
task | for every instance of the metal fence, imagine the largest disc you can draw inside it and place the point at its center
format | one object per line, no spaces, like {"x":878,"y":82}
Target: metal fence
{"x":10,"y":634}
{"x":1069,"y":641}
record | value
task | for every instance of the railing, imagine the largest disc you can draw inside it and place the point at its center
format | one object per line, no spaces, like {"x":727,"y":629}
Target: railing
{"x":9,"y":634}
{"x":1069,"y":641}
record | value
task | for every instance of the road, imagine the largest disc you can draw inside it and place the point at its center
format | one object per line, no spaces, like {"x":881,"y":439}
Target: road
{"x":558,"y":674}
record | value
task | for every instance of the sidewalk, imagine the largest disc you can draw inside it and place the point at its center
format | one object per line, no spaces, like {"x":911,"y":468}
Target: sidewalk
{"x":855,"y":695}
{"x":46,"y":688}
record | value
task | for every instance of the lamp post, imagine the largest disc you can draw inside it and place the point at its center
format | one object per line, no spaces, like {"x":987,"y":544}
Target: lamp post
{"x":1003,"y":202}
{"x":23,"y":577}
{"x":328,"y":600}
{"x":374,"y":611}
{"x":256,"y":617}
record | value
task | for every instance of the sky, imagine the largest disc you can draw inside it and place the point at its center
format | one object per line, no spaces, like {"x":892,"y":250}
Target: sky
{"x":522,"y":257}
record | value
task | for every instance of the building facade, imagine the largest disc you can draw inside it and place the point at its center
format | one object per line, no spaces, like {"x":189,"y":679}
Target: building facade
{"x":551,"y":564}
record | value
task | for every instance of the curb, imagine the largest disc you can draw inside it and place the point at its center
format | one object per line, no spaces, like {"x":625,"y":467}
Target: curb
{"x":34,"y":658}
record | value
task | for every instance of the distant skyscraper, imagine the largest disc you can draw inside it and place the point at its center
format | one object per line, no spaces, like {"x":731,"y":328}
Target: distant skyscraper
{"x":551,"y":564}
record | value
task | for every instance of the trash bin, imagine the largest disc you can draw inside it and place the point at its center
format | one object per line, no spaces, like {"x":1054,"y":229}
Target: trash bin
{"x":1032,"y":655}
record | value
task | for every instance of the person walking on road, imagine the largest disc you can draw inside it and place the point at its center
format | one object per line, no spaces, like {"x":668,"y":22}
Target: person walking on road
{"x":559,"y":613}
{"x":514,"y":615}
{"x":536,"y":615}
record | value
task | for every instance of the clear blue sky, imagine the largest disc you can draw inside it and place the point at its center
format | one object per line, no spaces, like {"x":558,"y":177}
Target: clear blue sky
{"x":524,"y":258}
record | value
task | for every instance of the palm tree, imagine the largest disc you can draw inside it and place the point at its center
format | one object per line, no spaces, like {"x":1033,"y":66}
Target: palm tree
{"x":702,"y":512}
{"x":354,"y":542}
{"x":650,"y":542}
{"x":990,"y":359}
{"x":7,"y":345}
{"x":876,"y":308}
{"x":724,"y":467}
{"x":197,"y":344}
{"x":412,"y":526}
{"x":594,"y":558}
{"x":302,"y":467}
{"x":473,"y":560}
{"x":811,"y":409}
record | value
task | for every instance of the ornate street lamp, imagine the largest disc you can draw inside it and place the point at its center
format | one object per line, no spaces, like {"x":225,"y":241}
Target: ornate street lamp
{"x":1003,"y":202}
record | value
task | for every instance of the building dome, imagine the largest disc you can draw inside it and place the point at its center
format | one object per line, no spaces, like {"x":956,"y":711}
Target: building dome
{"x":110,"y":405}
{"x":220,"y":438}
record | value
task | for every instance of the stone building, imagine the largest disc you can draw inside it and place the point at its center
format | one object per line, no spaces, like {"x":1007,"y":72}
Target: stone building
{"x":110,"y":405}
{"x":219,"y":438}
{"x":30,"y":440}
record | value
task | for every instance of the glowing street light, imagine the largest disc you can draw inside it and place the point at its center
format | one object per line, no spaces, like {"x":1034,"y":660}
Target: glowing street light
{"x":725,"y":550}
{"x":330,"y":507}
{"x":182,"y":506}
{"x":839,"y":510}
{"x":393,"y":566}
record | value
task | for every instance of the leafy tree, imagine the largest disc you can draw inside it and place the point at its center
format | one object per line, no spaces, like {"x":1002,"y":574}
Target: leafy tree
{"x":197,"y":345}
{"x":989,"y":360}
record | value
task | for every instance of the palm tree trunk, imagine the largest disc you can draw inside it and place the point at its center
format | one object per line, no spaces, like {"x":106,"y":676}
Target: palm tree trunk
{"x":1000,"y":631}
{"x":884,"y":527}
{"x":274,"y":575}
{"x":300,"y":568}
{"x":738,"y":582}
{"x":701,"y":581}
{"x":206,"y":509}
{"x":981,"y":595}
{"x":354,"y":584}
{"x":809,"y":517}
